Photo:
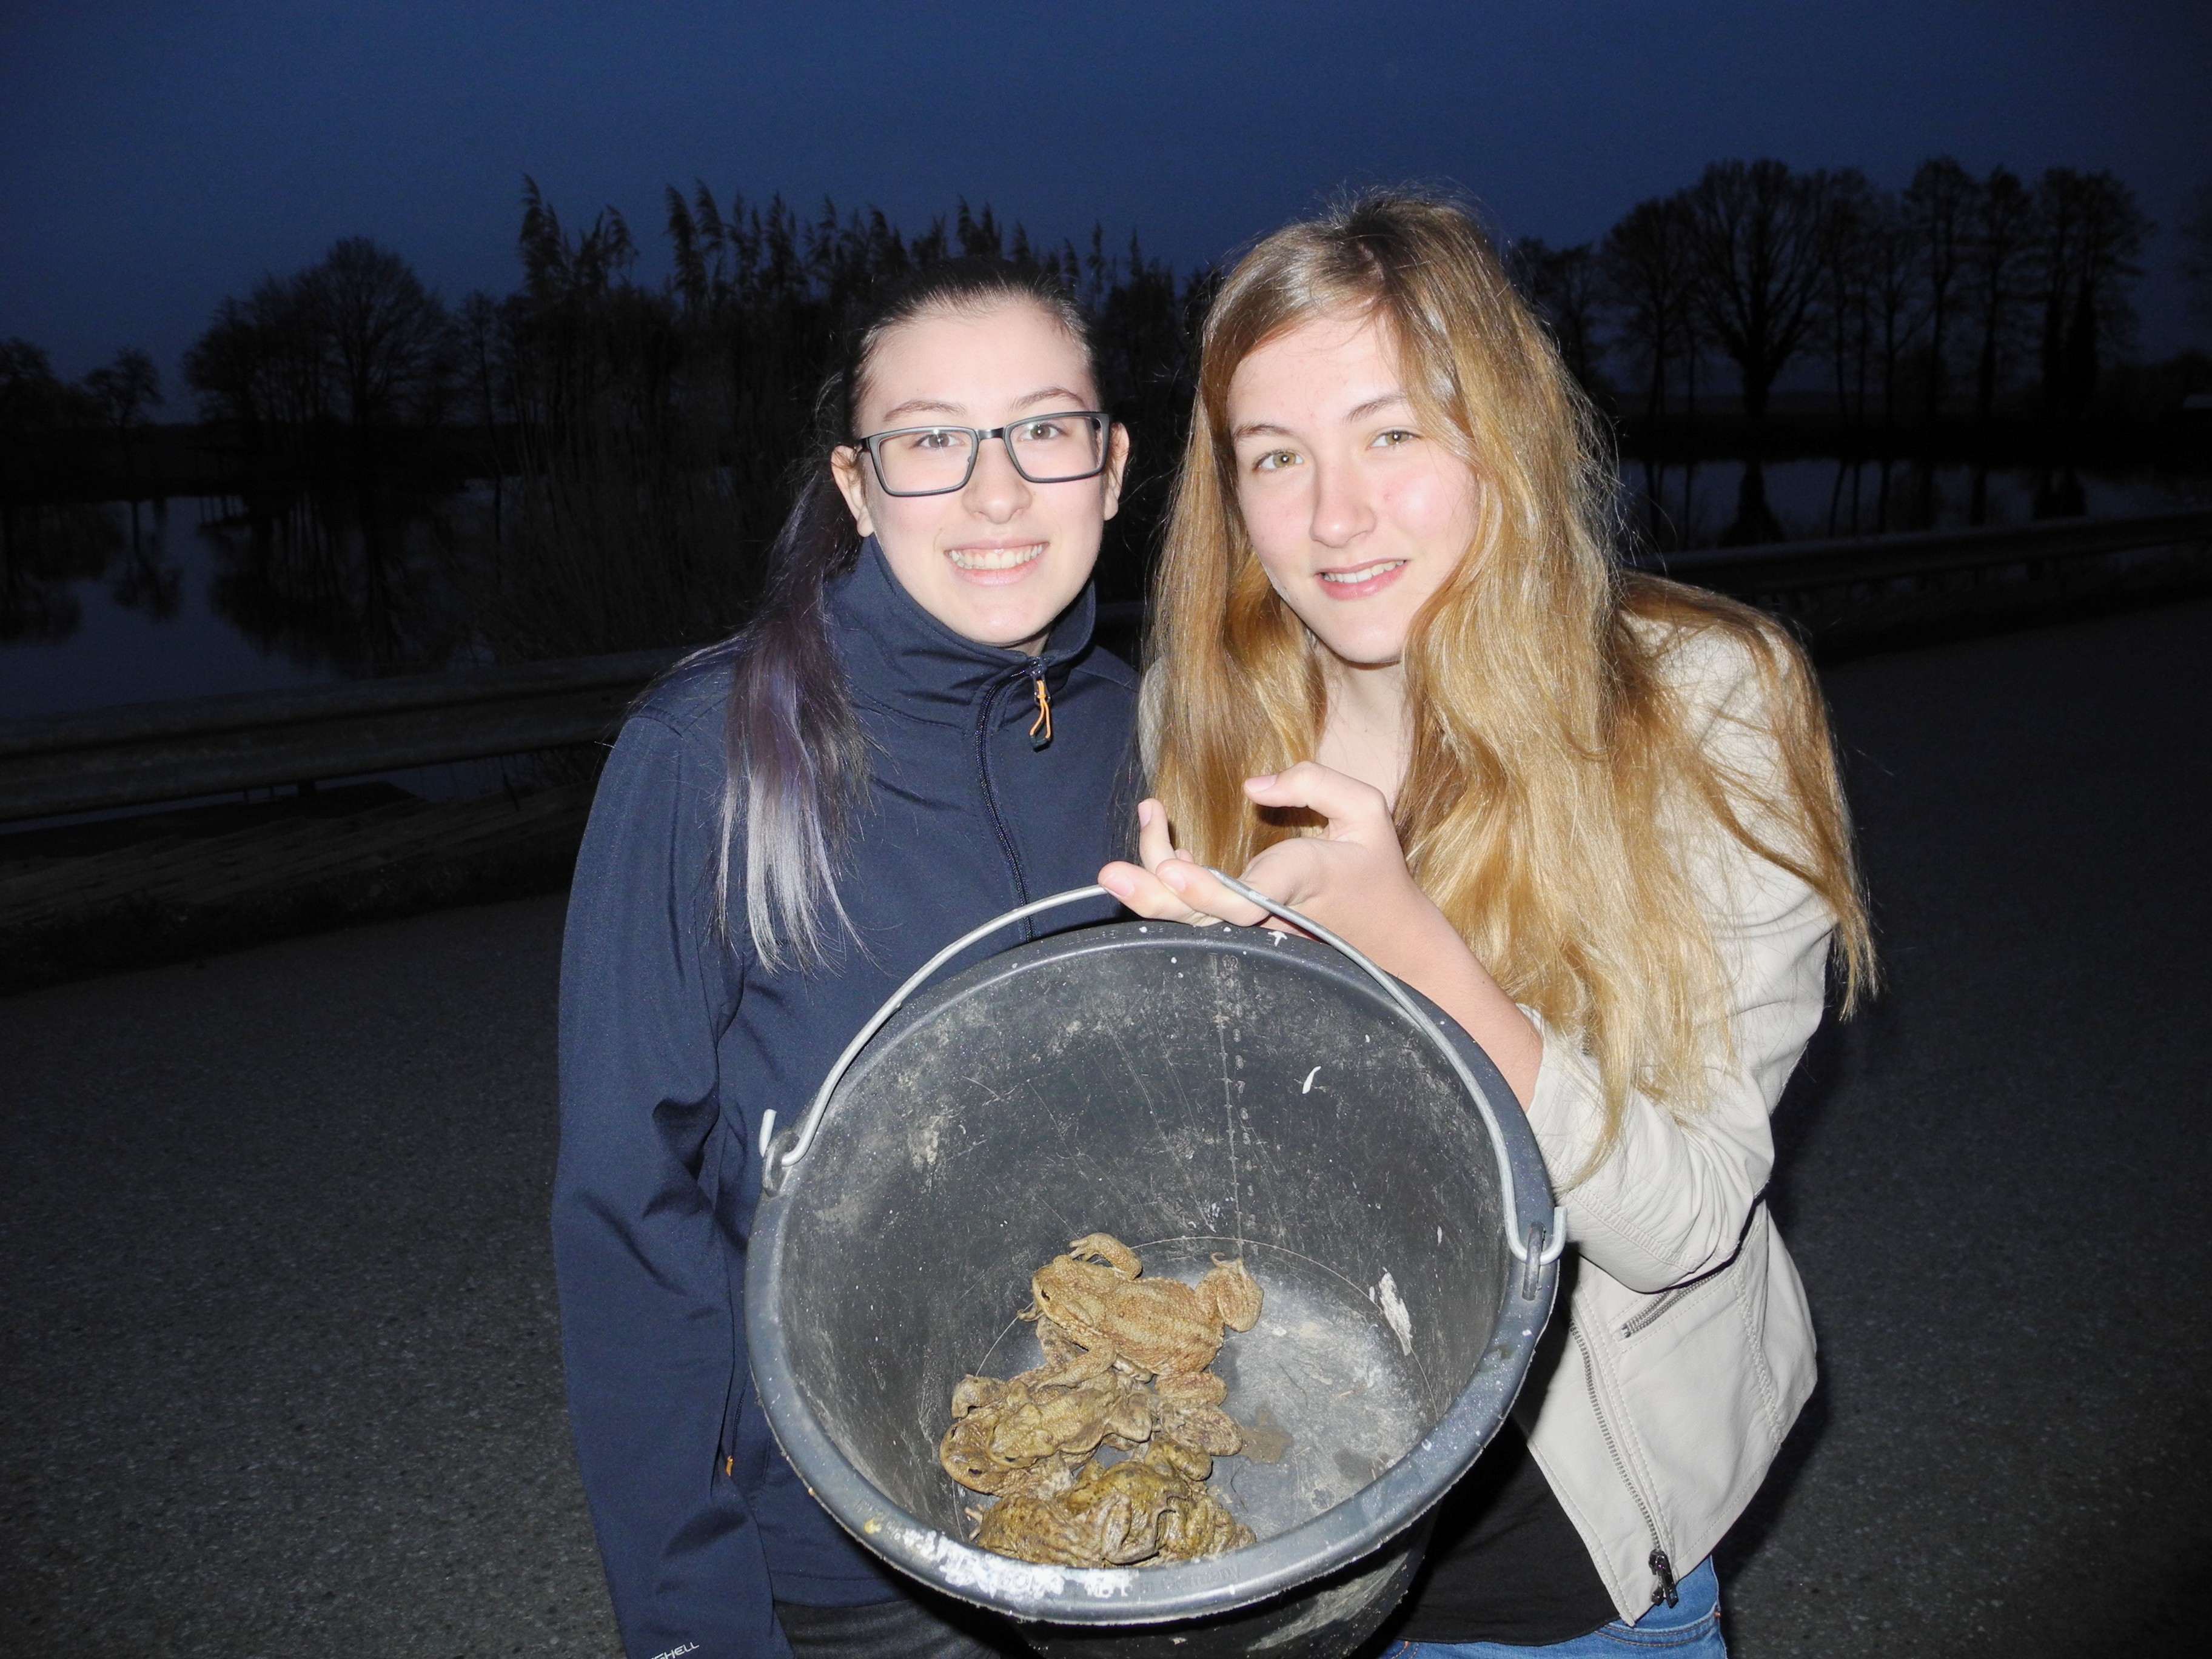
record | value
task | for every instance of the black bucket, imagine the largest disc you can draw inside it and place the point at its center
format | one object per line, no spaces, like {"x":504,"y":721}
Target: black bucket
{"x":1197,"y":1093}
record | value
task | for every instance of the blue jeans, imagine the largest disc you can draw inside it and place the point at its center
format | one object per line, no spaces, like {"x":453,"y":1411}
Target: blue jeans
{"x":1689,"y":1630}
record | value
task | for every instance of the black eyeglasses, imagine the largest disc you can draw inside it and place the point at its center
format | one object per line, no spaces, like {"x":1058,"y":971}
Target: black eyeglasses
{"x":934,"y":460}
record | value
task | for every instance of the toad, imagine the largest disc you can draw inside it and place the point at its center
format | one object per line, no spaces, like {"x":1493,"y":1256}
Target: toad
{"x":1141,"y":1510}
{"x":968,"y":1454}
{"x":1097,"y":1297}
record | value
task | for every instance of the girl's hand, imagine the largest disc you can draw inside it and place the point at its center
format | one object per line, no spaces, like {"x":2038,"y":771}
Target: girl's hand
{"x":1352,"y":880}
{"x":1143,"y":887}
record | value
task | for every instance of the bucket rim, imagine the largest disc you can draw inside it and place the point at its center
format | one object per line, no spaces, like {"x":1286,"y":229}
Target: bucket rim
{"x":1321,"y":1546}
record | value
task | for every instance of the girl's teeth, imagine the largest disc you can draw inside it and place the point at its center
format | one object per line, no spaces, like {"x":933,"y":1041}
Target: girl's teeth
{"x":1345,"y":577}
{"x":994,"y":558}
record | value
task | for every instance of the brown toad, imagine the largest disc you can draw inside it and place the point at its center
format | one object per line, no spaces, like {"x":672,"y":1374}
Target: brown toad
{"x":1004,"y":1431}
{"x":1156,"y":1328}
{"x":1141,"y":1510}
{"x":1037,"y":1421}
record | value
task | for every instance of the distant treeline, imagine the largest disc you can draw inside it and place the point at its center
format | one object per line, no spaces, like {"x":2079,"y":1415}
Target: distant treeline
{"x":1954,"y":293}
{"x":636,"y":437}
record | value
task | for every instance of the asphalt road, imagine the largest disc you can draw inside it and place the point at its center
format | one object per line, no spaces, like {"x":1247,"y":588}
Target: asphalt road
{"x":280,"y":1372}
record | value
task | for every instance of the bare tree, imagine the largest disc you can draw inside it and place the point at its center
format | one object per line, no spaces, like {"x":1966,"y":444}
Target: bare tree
{"x":2091,"y":234}
{"x":387,"y":335}
{"x":1940,"y":206}
{"x":1758,"y":232}
{"x":33,"y":399}
{"x":261,"y":366}
{"x":1563,"y":285}
{"x":123,"y":391}
{"x":1848,"y":272}
{"x":1896,"y":290}
{"x":1646,"y":268}
{"x":2001,"y":238}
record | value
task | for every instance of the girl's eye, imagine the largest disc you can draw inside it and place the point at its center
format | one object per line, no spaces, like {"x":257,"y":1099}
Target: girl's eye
{"x":1036,"y":432}
{"x":1393,"y":438}
{"x":1275,"y":460}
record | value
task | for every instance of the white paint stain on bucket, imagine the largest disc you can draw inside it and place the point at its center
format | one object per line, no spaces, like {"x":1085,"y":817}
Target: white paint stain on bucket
{"x":1394,"y":1312}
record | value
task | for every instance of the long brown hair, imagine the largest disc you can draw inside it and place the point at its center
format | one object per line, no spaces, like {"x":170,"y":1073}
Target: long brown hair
{"x":1562,"y":760}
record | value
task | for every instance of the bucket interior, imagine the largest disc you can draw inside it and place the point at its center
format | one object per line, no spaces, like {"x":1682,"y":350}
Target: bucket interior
{"x":1197,"y":1094}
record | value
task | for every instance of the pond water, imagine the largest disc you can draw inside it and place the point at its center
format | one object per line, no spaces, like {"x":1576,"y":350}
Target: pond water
{"x":120,"y":602}
{"x":123,"y":602}
{"x":1677,"y":505}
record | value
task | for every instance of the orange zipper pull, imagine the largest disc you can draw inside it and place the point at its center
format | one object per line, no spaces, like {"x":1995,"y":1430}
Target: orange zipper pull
{"x":1041,"y":727}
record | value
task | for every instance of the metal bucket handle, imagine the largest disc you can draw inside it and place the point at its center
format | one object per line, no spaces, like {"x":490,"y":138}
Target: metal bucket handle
{"x":779,"y":1153}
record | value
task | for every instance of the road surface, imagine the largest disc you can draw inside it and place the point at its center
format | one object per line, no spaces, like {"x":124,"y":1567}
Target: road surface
{"x":281,"y":1374}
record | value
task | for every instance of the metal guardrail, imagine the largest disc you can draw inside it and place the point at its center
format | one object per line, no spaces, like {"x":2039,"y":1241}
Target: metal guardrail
{"x":1796,"y":567}
{"x":141,"y":753}
{"x":150,"y":752}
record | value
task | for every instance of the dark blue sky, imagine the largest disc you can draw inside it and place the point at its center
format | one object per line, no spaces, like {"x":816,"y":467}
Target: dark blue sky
{"x":153,"y":158}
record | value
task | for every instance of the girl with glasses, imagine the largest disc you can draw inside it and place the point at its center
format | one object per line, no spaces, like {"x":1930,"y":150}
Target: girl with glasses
{"x":913,"y":734}
{"x":1404,"y":682}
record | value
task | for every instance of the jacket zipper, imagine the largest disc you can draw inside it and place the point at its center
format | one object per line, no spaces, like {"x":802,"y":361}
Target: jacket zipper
{"x":1659,"y":1306}
{"x":1035,"y":670}
{"x":1662,"y":1570}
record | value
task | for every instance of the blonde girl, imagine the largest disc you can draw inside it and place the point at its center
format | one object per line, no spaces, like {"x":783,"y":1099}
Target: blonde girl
{"x":1403,"y":682}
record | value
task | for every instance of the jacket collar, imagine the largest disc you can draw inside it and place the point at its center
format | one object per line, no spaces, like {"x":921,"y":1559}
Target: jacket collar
{"x":897,"y":656}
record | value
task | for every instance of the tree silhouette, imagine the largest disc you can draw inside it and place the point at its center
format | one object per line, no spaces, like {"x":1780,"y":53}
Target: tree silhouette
{"x":1940,"y":206}
{"x":123,"y":391}
{"x":33,"y":399}
{"x":386,"y":334}
{"x":1648,"y":269}
{"x":2091,"y":235}
{"x":1849,"y":270}
{"x":646,"y":433}
{"x":2001,"y":237}
{"x":1564,"y":285}
{"x":639,"y":434}
{"x":1892,"y":271}
{"x":354,"y":341}
{"x":260,"y":367}
{"x":1756,"y":231}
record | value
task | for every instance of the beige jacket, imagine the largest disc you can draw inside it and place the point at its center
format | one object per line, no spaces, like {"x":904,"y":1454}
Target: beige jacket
{"x":1690,"y":1346}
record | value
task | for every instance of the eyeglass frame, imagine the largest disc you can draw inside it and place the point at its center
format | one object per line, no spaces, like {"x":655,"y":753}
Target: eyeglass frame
{"x":869,"y":445}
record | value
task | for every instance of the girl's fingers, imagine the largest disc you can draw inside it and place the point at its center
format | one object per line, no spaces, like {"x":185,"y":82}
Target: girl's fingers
{"x":1142,"y":892}
{"x":1153,"y":846}
{"x":1340,"y":799}
{"x":1195,"y":885}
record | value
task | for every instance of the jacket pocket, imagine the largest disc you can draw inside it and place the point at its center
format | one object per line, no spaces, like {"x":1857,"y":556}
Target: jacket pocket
{"x":1656,"y":1308}
{"x":1699,"y":1396}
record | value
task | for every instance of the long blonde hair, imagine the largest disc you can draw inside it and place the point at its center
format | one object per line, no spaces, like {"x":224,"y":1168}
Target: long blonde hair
{"x":1555,"y":764}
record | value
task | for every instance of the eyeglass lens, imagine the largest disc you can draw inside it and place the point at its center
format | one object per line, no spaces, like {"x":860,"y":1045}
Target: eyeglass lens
{"x":1052,"y":449}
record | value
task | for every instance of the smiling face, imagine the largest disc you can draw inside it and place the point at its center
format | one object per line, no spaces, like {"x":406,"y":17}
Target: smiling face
{"x":995,"y":561}
{"x":1358,"y":512}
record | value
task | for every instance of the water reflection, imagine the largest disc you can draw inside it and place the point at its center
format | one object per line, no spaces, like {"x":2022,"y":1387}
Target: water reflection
{"x":1674,"y":505}
{"x":45,"y":551}
{"x":360,"y":581}
{"x":149,"y":580}
{"x":124,"y":601}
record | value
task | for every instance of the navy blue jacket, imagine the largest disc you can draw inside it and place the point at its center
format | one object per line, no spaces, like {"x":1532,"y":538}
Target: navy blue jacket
{"x":673,"y":1042}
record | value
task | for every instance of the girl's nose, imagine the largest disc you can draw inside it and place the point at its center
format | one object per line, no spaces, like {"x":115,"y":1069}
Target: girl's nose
{"x":995,"y":490}
{"x":1341,"y":510}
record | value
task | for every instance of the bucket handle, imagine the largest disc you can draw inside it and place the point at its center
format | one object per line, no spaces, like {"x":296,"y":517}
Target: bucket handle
{"x":1538,"y":1249}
